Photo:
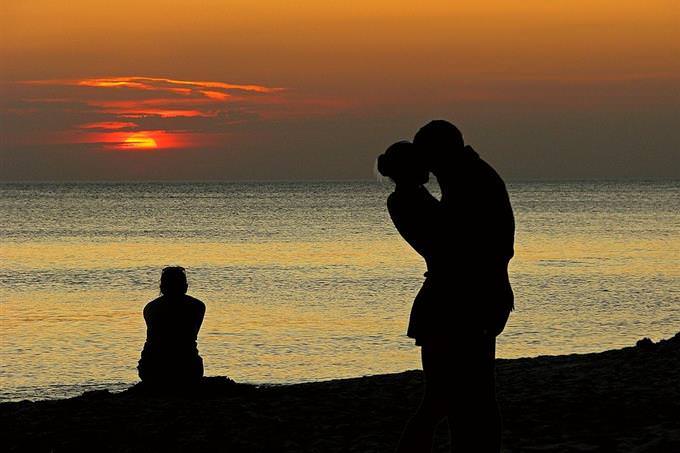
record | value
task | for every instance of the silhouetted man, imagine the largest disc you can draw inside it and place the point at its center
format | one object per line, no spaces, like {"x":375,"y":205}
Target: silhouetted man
{"x":170,"y":357}
{"x":479,"y":223}
{"x":469,"y":297}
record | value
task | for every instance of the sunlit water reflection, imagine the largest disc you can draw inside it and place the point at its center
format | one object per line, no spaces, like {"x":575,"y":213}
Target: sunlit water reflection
{"x":307,"y":281}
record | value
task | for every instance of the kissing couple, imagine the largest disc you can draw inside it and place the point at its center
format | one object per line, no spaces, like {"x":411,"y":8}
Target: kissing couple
{"x":466,"y":239}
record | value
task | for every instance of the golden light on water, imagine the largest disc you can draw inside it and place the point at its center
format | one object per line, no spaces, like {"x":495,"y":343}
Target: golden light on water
{"x":305,"y":293}
{"x":283,"y":317}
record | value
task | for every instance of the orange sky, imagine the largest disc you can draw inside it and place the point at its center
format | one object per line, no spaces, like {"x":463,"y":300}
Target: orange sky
{"x":543,"y":88}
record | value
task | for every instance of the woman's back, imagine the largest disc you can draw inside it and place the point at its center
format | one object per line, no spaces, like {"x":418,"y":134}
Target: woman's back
{"x":170,"y":355}
{"x":173,"y":322}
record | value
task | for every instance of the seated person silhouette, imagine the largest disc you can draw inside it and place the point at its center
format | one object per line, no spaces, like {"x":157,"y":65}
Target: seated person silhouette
{"x":170,"y":357}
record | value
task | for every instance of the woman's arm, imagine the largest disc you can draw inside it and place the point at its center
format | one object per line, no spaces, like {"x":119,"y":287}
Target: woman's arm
{"x":200,"y":314}
{"x":417,"y":218}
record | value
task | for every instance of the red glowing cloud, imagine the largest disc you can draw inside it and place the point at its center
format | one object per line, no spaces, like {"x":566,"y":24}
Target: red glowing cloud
{"x":173,"y":85}
{"x":113,"y":125}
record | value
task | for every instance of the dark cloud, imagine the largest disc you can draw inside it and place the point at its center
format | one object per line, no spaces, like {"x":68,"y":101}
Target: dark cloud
{"x":169,"y":112}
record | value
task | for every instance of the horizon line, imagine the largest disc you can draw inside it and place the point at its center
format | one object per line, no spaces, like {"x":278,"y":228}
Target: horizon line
{"x":320,"y":180}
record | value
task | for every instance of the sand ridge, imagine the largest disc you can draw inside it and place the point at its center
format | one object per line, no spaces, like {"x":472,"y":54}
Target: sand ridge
{"x":625,"y":400}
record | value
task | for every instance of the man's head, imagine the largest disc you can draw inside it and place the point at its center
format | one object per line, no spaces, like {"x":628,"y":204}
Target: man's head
{"x":174,"y":281}
{"x":439,"y":142}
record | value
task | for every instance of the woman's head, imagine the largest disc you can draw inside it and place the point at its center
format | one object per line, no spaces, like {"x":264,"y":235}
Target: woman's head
{"x":402,"y":164}
{"x":174,"y":281}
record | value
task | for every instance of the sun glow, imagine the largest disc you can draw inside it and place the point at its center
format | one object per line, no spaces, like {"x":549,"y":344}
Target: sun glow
{"x":139,"y":141}
{"x":139,"y":113}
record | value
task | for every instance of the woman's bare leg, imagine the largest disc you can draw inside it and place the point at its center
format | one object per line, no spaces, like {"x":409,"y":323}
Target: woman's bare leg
{"x":419,"y":431}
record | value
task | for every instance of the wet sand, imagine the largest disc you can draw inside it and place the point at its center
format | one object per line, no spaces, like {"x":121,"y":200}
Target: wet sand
{"x":625,"y":400}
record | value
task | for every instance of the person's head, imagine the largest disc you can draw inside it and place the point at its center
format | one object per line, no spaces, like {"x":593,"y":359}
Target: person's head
{"x":402,"y":164}
{"x":174,"y":281}
{"x":439,"y":142}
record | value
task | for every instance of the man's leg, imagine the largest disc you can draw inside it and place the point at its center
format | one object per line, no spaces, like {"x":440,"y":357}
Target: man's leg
{"x":475,"y":418}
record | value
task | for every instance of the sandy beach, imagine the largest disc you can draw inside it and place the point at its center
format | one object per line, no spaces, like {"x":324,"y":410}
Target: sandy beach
{"x":625,"y":400}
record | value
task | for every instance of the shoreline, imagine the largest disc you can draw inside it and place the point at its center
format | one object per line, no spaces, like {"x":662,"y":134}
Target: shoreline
{"x":617,"y":400}
{"x":116,"y":388}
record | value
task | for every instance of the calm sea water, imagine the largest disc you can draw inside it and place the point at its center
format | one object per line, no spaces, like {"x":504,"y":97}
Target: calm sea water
{"x":307,"y":281}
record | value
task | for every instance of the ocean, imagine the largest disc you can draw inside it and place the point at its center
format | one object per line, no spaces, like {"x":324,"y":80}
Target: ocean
{"x":307,"y":281}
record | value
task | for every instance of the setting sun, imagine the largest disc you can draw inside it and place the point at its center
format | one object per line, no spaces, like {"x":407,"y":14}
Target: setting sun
{"x":139,"y":141}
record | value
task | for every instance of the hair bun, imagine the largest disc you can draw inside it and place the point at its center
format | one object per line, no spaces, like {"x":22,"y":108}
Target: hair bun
{"x":395,"y":160}
{"x":385,"y":165}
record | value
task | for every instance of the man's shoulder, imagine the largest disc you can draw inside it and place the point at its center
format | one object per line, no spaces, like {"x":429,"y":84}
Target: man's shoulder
{"x":195,"y":302}
{"x":489,"y":175}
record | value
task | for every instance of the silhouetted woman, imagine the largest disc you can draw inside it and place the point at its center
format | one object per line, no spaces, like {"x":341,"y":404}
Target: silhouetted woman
{"x":414,"y":212}
{"x":170,"y":356}
{"x":438,"y":322}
